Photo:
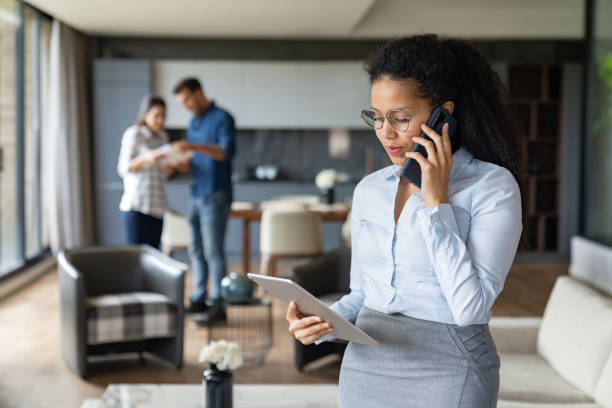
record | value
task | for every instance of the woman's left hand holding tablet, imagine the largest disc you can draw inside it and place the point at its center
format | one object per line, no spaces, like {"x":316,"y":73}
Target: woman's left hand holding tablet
{"x":306,"y":329}
{"x":435,"y":169}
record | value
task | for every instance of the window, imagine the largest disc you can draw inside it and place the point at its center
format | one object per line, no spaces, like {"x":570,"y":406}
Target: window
{"x":9,"y":227}
{"x":598,"y":141}
{"x":24,"y":46}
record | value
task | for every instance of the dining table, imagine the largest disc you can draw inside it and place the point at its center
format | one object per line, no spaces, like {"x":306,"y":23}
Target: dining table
{"x":252,"y":211}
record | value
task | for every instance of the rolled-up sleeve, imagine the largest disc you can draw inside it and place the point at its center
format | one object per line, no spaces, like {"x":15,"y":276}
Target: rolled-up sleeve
{"x":471,"y":273}
{"x":227,"y":137}
{"x":127,"y":152}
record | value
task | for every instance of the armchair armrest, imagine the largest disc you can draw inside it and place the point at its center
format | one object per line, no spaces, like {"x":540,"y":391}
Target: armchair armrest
{"x":162,"y":274}
{"x":329,"y":273}
{"x":515,"y":334}
{"x":72,"y":315}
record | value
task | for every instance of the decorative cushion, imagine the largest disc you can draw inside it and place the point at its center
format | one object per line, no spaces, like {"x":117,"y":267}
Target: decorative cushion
{"x":528,"y":378}
{"x":576,"y":333}
{"x":129,"y":316}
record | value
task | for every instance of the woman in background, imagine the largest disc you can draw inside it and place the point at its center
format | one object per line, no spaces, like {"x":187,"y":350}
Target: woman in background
{"x":144,"y":177}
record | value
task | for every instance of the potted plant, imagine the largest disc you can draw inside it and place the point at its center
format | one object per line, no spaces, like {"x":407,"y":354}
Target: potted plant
{"x":217,"y":380}
{"x":325,"y":181}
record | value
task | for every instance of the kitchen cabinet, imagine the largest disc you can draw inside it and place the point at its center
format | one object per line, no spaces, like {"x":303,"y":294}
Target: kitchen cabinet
{"x":217,"y":78}
{"x":272,"y":95}
{"x":118,"y":88}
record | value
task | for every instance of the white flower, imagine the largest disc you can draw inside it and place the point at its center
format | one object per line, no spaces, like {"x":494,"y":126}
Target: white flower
{"x":326,"y":179}
{"x":222,"y":353}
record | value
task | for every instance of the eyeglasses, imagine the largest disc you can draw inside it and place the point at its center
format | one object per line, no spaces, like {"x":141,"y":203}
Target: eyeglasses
{"x":396,"y":117}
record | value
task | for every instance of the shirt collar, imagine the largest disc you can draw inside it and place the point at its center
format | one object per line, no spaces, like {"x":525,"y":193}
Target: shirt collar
{"x":146,"y":131}
{"x":205,"y":111}
{"x":461,"y":158}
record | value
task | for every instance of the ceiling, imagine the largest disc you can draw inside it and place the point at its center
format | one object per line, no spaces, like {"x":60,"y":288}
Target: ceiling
{"x":313,"y":19}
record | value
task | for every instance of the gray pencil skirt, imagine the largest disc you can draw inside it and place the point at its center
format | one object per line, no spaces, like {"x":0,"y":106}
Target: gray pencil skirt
{"x":419,"y":364}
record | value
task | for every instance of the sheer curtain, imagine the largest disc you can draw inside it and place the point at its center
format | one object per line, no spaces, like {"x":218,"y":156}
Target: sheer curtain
{"x":67,"y":165}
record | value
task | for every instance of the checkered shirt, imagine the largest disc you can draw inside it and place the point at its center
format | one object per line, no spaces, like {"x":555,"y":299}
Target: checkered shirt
{"x":145,"y":189}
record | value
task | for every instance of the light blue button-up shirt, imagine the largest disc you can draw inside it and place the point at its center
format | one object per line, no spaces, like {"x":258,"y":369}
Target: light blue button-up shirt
{"x":444,"y":264}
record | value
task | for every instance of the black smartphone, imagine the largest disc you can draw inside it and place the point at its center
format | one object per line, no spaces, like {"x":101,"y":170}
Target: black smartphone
{"x":439,"y":116}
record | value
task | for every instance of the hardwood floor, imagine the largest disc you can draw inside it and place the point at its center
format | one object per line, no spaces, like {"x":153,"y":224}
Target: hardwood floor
{"x":32,"y":373}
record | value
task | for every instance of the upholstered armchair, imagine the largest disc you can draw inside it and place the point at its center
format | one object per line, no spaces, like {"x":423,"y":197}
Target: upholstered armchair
{"x":328,"y":278}
{"x":120,"y":299}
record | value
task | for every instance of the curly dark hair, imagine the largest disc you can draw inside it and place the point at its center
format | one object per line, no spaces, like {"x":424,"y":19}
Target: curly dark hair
{"x":449,"y":69}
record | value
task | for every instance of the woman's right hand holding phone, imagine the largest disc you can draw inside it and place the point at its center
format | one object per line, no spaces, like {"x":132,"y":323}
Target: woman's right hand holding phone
{"x":306,"y":329}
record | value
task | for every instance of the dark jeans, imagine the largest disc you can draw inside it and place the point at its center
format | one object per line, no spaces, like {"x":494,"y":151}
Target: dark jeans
{"x":141,"y":228}
{"x":208,"y":220}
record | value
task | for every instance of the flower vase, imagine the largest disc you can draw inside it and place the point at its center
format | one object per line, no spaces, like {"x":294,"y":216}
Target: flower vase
{"x":217,"y":386}
{"x":328,"y":195}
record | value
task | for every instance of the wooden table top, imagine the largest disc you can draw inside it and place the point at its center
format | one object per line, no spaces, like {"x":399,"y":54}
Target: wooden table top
{"x":252,"y":211}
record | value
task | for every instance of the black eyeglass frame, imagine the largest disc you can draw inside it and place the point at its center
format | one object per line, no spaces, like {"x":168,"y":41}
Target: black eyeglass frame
{"x":381,"y":119}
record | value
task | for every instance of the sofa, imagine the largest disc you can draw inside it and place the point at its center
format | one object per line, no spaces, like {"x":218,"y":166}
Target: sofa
{"x":120,"y":299}
{"x":564,"y":358}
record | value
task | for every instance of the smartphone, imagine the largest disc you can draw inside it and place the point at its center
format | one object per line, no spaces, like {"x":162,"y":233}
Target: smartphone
{"x":439,"y":116}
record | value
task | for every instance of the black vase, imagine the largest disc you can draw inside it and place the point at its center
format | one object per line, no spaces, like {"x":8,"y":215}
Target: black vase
{"x":328,"y":195}
{"x":218,"y":388}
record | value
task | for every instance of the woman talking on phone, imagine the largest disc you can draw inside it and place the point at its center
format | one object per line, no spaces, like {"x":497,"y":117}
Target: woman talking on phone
{"x":428,"y":263}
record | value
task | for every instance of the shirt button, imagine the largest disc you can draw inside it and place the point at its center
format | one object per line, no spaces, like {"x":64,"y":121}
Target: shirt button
{"x":435,"y":218}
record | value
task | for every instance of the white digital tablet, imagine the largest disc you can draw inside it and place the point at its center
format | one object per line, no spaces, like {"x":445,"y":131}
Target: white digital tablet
{"x":288,"y":291}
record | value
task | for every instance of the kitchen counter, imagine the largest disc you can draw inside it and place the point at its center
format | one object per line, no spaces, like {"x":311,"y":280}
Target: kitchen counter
{"x":185,"y":178}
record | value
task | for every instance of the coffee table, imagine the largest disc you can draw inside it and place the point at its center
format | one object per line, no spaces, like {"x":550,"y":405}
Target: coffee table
{"x":190,"y":396}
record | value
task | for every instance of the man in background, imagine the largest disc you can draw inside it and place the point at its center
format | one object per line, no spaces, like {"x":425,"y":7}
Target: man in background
{"x":211,"y":137}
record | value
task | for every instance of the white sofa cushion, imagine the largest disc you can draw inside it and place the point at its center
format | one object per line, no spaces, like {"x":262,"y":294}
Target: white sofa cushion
{"x":603,"y":391}
{"x":591,"y":263}
{"x":515,"y":334}
{"x":576,"y":333}
{"x":527,"y":377}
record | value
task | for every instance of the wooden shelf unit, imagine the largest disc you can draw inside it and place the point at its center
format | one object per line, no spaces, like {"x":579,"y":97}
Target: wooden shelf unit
{"x":534,"y":98}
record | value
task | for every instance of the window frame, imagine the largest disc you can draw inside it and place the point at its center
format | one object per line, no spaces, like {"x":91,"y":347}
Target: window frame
{"x":23,"y":260}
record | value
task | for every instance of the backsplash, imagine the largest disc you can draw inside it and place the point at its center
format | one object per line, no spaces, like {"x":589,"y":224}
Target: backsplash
{"x":300,"y":154}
